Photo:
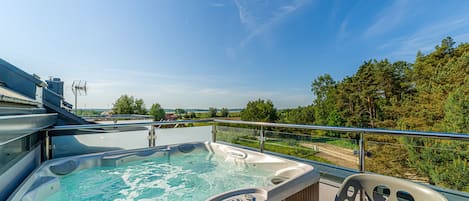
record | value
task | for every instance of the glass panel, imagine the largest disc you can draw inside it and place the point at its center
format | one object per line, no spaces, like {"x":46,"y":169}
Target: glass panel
{"x":11,"y":152}
{"x":183,"y":135}
{"x":329,"y":147}
{"x":317,"y":146}
{"x":63,"y":146}
{"x":444,"y":163}
{"x":242,"y":136}
{"x":116,"y":140}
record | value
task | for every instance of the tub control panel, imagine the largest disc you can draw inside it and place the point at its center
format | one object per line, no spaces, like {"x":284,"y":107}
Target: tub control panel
{"x":246,"y":197}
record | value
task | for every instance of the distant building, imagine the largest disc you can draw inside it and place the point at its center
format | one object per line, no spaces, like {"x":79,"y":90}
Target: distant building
{"x":106,"y":113}
{"x":171,"y":116}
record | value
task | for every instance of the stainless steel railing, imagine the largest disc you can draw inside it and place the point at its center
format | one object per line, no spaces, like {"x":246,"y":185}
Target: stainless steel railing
{"x":438,"y":135}
{"x":122,"y":125}
{"x":361,"y":131}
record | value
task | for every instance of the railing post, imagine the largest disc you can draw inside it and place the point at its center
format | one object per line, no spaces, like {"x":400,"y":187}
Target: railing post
{"x":151,"y":135}
{"x":362,"y":152}
{"x":261,"y":144}
{"x":154,"y":136}
{"x":362,"y":161}
{"x":47,"y":146}
{"x":214,"y":132}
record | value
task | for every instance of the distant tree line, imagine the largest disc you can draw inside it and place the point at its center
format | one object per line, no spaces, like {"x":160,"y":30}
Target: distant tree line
{"x":88,"y":112}
{"x":259,"y":110}
{"x":129,"y":105}
{"x":157,"y":112}
{"x":126,"y":104}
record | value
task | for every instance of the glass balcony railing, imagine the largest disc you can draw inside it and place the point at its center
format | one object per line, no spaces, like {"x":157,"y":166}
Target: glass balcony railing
{"x":440,"y":162}
{"x":439,"y":159}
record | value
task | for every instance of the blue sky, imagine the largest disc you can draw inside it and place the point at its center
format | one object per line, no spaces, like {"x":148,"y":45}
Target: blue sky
{"x":200,"y":53}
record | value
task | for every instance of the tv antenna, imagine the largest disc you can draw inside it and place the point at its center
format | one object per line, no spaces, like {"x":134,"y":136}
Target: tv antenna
{"x":79,"y":89}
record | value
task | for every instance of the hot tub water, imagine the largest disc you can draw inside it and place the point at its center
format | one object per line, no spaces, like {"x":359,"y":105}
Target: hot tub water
{"x":194,"y":176}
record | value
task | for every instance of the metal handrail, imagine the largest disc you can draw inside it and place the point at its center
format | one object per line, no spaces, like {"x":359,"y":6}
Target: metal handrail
{"x":154,"y":123}
{"x":262,"y":125}
{"x":438,"y":135}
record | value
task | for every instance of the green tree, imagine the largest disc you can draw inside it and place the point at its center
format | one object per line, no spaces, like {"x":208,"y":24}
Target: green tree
{"x":157,"y":112}
{"x":334,"y":119}
{"x":212,"y":112}
{"x":300,"y":115}
{"x":139,"y":107}
{"x":224,"y":112}
{"x":369,"y":91}
{"x":428,"y":95}
{"x":370,"y":97}
{"x":323,"y":90}
{"x":124,"y":105}
{"x":192,"y":115}
{"x":439,"y":104}
{"x":179,"y":112}
{"x":259,"y":110}
{"x":457,"y":110}
{"x":434,"y":76}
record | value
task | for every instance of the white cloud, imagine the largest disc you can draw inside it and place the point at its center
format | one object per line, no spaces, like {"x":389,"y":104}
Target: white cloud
{"x":342,"y":34}
{"x":389,"y":18}
{"x":260,"y":16}
{"x":426,"y":38}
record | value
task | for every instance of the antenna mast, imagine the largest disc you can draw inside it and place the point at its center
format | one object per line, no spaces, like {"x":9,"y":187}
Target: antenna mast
{"x":79,"y":89}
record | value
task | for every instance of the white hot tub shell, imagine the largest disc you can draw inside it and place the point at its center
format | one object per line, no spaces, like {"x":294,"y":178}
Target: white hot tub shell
{"x":291,"y":180}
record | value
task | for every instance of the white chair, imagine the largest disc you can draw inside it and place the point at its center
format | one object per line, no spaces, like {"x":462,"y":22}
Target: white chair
{"x":383,"y":188}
